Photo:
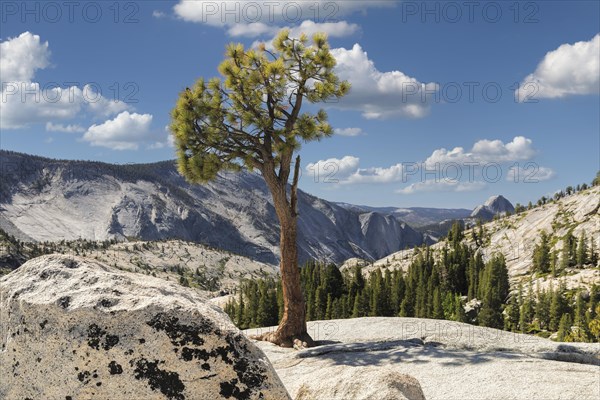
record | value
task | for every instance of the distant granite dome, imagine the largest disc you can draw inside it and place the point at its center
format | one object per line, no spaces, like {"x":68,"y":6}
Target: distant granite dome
{"x":495,"y":205}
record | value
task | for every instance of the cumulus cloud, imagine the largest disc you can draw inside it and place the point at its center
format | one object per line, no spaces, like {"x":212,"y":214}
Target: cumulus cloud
{"x":21,"y":56}
{"x":333,"y":169}
{"x":346,"y":171}
{"x":348,"y":131}
{"x":26,"y":102}
{"x":332,"y":29}
{"x":485,"y":151}
{"x":571,"y":69}
{"x":378,"y":94}
{"x":529,"y":173}
{"x":390,"y":174}
{"x":50,"y":127}
{"x":454,"y":170}
{"x":444,"y":185}
{"x":125,"y":132}
{"x":251,"y":30}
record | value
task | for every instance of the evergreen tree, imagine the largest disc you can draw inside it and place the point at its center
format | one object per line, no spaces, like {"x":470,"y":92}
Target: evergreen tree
{"x":527,"y":310}
{"x":594,"y":325}
{"x":252,"y":119}
{"x":459,"y":311}
{"x":564,"y":328}
{"x":397,"y":292}
{"x":320,"y":303}
{"x":593,"y":253}
{"x":356,"y":308}
{"x":511,"y":323}
{"x":541,"y":254}
{"x":496,"y":287}
{"x":582,"y":252}
{"x":579,"y":319}
{"x":329,"y":310}
{"x":557,"y":308}
{"x":542,"y":309}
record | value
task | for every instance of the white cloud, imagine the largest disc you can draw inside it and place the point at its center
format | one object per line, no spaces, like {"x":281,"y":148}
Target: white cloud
{"x":529,"y":173}
{"x":158,"y":14}
{"x":444,"y":185}
{"x":309,"y":28}
{"x":332,"y":29}
{"x":379,"y":94}
{"x":102,"y":106}
{"x":571,"y":69}
{"x":21,"y":56}
{"x":346,"y":171}
{"x":485,"y":151}
{"x":251,"y":30}
{"x":26,"y":102}
{"x":333,"y":169}
{"x":125,"y":132}
{"x":348,"y":131}
{"x":390,"y":174}
{"x":50,"y":127}
{"x":453,"y":170}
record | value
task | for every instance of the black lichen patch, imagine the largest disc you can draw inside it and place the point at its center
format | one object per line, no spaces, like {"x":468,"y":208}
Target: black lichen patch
{"x":182,"y":334}
{"x":68,"y":398}
{"x":43,"y":323}
{"x":95,"y":334}
{"x":114,"y":368}
{"x":70,"y":263}
{"x":84,"y":377}
{"x":110,"y":342}
{"x":106,"y":303}
{"x":250,"y":376}
{"x":167,"y":382}
{"x":98,"y":337}
{"x":142,"y":341}
{"x":230,"y":389}
{"x":188,"y":354}
{"x":64,"y":302}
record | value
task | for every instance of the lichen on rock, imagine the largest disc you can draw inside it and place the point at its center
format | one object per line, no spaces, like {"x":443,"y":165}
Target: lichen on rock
{"x":75,"y":328}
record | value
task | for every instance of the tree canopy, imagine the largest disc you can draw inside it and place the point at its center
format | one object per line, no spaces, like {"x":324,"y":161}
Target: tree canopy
{"x":252,"y":116}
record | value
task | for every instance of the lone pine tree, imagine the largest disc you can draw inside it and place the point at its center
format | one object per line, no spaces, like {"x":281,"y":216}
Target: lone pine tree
{"x":252,"y":119}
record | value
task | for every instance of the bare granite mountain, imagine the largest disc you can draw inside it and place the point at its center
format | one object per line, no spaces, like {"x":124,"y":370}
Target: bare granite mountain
{"x":516,"y":235}
{"x":43,"y":199}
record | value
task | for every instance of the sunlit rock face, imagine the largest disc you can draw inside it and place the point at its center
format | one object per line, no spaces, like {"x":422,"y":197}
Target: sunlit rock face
{"x":77,"y":329}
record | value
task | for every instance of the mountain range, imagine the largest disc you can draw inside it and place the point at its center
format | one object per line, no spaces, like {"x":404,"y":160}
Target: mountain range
{"x":43,"y":199}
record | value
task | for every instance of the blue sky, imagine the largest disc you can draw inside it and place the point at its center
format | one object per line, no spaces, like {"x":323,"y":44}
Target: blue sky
{"x":433,"y":89}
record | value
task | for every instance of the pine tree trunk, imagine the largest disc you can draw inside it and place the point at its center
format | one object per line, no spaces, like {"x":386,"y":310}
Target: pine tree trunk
{"x":293,"y":323}
{"x":292,"y":327}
